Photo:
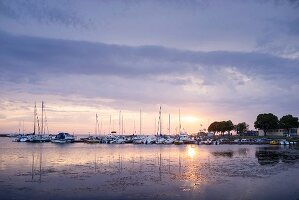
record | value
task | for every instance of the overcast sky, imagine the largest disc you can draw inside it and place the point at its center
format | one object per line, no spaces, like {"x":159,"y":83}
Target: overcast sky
{"x":215,"y":60}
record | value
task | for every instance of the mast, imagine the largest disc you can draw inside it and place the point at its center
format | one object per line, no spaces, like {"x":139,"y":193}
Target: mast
{"x":42,"y":118}
{"x":34,"y":119}
{"x":155,"y":126}
{"x":96,"y":128}
{"x":169,"y":124}
{"x":119,"y":122}
{"x":122,"y":125}
{"x":101,"y":126}
{"x":19,"y":127}
{"x":98,"y":125}
{"x":180,"y":126}
{"x":23,"y":127}
{"x":110,"y":125}
{"x":160,"y":122}
{"x":140,"y":123}
{"x":134,"y":132}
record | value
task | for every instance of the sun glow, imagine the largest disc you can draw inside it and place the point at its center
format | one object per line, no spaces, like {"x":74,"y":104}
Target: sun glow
{"x":190,"y":119}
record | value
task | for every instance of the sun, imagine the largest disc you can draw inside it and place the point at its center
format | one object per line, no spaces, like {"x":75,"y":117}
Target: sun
{"x":190,"y":119}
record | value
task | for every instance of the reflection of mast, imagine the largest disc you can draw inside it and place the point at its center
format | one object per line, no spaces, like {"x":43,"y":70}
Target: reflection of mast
{"x":32,"y":168}
{"x":160,"y":166}
{"x":40,"y":166}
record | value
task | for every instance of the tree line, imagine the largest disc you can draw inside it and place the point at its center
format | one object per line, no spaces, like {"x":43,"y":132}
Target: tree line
{"x":266,"y":122}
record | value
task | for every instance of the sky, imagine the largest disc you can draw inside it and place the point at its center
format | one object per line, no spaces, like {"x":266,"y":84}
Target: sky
{"x":212,"y":60}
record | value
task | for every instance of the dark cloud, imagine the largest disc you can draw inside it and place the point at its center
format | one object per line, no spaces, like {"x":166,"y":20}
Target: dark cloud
{"x":23,"y":56}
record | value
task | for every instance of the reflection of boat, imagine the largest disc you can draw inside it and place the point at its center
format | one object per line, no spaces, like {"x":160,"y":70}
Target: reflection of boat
{"x":284,"y":142}
{"x":274,"y":142}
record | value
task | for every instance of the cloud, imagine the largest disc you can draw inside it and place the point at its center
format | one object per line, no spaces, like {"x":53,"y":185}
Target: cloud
{"x":224,"y":59}
{"x":57,"y":12}
{"x":30,"y":56}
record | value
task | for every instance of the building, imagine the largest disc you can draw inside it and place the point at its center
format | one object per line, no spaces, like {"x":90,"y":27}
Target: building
{"x":280,"y":132}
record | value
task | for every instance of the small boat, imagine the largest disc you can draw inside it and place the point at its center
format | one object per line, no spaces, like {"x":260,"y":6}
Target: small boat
{"x":169,"y":141}
{"x":92,"y":140}
{"x":62,"y":138}
{"x":274,"y":142}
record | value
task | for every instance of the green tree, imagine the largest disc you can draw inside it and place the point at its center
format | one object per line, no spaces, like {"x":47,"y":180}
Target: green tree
{"x":241,"y":127}
{"x":213,"y":127}
{"x":288,"y":122}
{"x":266,"y":122}
{"x":229,"y":126}
{"x":221,"y":127}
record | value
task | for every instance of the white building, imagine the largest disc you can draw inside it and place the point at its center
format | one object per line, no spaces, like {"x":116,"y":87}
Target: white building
{"x":280,"y":132}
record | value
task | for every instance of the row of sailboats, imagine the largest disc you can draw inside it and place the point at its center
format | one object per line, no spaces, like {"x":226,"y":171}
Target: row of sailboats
{"x":39,"y":132}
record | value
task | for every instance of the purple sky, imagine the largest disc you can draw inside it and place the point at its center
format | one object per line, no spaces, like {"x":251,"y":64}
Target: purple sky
{"x":215,"y":60}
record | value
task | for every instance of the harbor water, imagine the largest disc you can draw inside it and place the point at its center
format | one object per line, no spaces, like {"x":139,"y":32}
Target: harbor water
{"x":128,"y":171}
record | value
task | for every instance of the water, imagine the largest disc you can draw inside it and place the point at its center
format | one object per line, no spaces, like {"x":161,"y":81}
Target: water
{"x":127,"y":171}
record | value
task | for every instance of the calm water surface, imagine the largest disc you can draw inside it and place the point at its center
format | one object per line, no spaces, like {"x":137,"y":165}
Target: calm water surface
{"x":100,"y":171}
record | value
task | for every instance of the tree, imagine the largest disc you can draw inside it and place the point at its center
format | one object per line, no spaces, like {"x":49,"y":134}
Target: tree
{"x":266,"y":122}
{"x":288,"y":122}
{"x":221,"y":127}
{"x":241,"y":127}
{"x":229,"y":126}
{"x":213,"y":127}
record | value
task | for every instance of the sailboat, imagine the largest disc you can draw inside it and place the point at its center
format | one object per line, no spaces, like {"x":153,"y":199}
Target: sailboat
{"x":41,"y":136}
{"x":183,"y":137}
{"x":94,"y":139}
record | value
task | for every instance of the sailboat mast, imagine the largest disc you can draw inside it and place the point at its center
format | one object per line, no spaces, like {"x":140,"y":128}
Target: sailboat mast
{"x":42,"y":117}
{"x":134,"y":131}
{"x":110,"y":125}
{"x":180,"y":126}
{"x":96,"y":128}
{"x":160,"y":122}
{"x":140,"y":122}
{"x":169,"y":124}
{"x":119,"y":122}
{"x":155,"y":126}
{"x":122,"y":125}
{"x":34,"y":119}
